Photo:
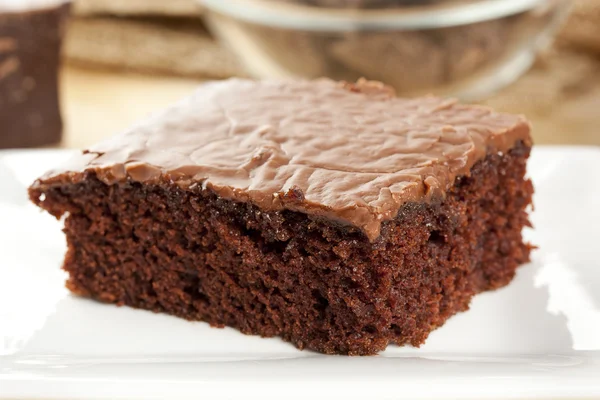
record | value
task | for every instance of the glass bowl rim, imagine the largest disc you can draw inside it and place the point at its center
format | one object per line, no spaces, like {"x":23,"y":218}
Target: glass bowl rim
{"x":310,"y":18}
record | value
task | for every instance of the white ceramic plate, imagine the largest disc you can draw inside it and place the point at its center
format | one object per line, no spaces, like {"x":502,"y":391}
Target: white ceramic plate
{"x":538,"y":337}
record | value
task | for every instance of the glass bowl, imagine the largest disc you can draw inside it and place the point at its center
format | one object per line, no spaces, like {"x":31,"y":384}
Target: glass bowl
{"x":463,"y":48}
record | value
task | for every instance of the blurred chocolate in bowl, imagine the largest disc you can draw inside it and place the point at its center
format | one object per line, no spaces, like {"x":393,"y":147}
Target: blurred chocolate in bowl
{"x":147,"y":36}
{"x":362,"y":4}
{"x":451,"y":47}
{"x":31,"y":33}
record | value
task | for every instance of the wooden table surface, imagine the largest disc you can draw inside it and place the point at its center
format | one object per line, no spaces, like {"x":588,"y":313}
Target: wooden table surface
{"x":97,"y":104}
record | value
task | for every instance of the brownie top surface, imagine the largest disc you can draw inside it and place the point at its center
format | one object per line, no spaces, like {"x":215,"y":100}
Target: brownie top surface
{"x":351,"y":152}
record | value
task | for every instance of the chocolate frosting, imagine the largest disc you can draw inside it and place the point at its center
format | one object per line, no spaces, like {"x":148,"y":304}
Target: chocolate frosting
{"x":351,"y":152}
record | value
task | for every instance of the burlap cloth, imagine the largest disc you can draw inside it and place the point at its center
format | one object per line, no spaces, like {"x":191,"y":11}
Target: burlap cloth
{"x":151,"y":45}
{"x":150,"y":36}
{"x":137,"y":7}
{"x":560,"y":94}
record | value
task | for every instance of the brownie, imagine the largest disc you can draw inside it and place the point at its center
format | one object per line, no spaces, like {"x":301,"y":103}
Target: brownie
{"x":30,"y":40}
{"x":334,"y":215}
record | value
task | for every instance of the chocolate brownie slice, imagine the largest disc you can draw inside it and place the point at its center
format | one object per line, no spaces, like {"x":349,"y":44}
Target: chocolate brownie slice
{"x":336,"y":216}
{"x":31,"y":33}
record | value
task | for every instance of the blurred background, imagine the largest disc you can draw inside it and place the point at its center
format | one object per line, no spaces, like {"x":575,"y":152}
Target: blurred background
{"x":124,"y":59}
